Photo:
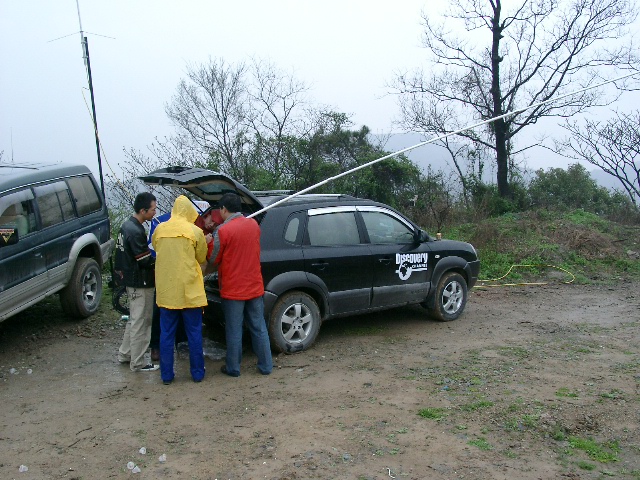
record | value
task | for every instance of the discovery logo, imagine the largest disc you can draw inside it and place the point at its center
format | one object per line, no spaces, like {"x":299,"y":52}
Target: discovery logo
{"x":409,"y":263}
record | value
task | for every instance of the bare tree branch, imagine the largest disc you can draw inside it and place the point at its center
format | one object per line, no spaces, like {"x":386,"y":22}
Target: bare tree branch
{"x":612,"y":145}
{"x":537,"y":50}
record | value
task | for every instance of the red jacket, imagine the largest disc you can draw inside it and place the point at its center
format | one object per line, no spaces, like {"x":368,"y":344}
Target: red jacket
{"x":239,"y":272}
{"x":217,"y":220}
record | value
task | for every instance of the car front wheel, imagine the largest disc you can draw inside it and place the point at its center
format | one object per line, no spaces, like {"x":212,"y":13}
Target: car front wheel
{"x":81,"y":297}
{"x":451,"y":297}
{"x":294,"y":322}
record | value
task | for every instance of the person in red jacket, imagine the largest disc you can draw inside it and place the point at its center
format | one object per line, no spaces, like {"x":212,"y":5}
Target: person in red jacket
{"x":208,"y":222}
{"x":236,"y":251}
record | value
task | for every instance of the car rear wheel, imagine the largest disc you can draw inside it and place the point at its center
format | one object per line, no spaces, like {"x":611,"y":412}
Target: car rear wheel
{"x":294,"y":322}
{"x":451,"y":297}
{"x":81,"y":297}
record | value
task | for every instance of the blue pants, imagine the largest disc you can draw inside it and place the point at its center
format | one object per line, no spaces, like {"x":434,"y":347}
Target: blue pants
{"x":252,"y":313}
{"x":192,"y":319}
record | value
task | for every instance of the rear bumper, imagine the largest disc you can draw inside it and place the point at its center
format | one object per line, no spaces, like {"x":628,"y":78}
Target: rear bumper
{"x":106,"y":249}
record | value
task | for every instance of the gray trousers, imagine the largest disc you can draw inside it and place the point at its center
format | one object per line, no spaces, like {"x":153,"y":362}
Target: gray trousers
{"x":137,"y":332}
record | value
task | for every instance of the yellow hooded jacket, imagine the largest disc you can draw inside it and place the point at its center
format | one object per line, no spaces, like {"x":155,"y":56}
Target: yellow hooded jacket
{"x":180,"y":249}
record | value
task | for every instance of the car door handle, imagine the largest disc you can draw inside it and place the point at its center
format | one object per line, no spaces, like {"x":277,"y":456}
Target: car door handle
{"x":320,"y":265}
{"x":384,"y":260}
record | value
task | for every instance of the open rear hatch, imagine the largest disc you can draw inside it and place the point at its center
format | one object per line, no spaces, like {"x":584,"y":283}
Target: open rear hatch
{"x":204,"y":184}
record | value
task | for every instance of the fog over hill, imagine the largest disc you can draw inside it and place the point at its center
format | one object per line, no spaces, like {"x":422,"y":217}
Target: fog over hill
{"x":439,"y":159}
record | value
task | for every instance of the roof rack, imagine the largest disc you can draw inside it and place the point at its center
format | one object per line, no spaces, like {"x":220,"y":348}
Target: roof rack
{"x":273,"y":192}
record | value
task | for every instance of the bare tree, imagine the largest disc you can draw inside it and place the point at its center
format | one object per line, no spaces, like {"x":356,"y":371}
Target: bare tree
{"x":161,"y":153}
{"x":612,"y":145}
{"x":277,"y":97}
{"x":239,"y":115}
{"x":210,"y":106}
{"x":512,"y":59}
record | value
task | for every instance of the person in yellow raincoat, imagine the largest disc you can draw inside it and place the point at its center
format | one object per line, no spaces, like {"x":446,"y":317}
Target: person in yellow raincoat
{"x":180,"y":249}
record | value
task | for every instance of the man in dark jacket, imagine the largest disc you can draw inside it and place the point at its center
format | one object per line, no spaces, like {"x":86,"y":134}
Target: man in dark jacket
{"x":134,"y":269}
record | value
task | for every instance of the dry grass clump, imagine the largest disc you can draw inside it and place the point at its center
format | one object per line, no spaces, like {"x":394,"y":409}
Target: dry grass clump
{"x":584,"y":241}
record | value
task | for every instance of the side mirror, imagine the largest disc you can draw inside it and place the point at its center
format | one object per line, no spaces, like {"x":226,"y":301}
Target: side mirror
{"x":420,"y":236}
{"x":8,"y":236}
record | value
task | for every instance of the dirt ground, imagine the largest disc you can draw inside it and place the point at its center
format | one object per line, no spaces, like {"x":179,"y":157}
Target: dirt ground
{"x":530,"y":383}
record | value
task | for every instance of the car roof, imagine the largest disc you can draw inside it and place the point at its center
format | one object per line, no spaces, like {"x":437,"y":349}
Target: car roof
{"x":15,"y":175}
{"x":309,"y":201}
{"x":317,"y":198}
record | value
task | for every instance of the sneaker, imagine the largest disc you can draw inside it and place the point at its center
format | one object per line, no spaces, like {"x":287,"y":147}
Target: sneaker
{"x":155,"y":354}
{"x":148,"y":368}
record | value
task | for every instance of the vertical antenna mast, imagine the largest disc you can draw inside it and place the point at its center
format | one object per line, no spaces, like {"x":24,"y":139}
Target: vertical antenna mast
{"x":81,"y":32}
{"x":87,"y":63}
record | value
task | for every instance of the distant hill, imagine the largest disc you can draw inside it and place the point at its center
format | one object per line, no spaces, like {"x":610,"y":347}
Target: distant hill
{"x":439,"y":159}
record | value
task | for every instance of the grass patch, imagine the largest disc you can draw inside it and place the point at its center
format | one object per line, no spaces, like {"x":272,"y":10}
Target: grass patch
{"x":481,"y":443}
{"x":525,"y":422}
{"x":472,"y":407}
{"x":558,"y":434}
{"x":603,"y":453}
{"x":517,"y":352}
{"x":613,"y":394}
{"x":565,"y":392}
{"x":516,"y":406}
{"x":510,"y":454}
{"x":586,"y":465}
{"x":433,"y":413}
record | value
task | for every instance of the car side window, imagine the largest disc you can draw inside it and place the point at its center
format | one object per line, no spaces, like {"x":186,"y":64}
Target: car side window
{"x":85,"y":194}
{"x":17,"y":211}
{"x":383,"y":228}
{"x":339,"y":228}
{"x":293,"y":230}
{"x":54,"y":203}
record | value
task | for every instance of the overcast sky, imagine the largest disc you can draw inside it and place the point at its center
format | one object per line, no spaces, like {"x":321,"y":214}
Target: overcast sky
{"x":346,"y":50}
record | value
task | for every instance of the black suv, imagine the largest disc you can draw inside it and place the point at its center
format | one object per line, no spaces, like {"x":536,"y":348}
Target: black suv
{"x":54,"y":237}
{"x":329,"y":256}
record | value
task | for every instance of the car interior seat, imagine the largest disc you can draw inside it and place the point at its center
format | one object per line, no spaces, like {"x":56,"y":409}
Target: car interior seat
{"x":14,"y":216}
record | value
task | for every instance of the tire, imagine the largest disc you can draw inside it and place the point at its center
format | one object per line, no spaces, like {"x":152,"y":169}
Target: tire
{"x":294,"y":323}
{"x":81,"y":297}
{"x":450,"y":298}
{"x":120,"y":300}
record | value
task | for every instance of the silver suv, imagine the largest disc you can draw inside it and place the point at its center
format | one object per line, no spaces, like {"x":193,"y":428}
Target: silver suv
{"x":54,"y":238}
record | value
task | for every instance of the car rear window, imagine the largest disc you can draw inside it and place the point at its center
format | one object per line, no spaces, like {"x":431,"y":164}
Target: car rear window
{"x":85,"y":194}
{"x":339,"y":228}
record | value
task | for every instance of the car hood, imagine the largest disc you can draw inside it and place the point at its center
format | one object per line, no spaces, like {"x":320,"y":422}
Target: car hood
{"x":205,"y":184}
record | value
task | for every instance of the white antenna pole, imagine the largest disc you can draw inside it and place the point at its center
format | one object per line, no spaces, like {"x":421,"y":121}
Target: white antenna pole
{"x":84,"y":55}
{"x":435,"y":139}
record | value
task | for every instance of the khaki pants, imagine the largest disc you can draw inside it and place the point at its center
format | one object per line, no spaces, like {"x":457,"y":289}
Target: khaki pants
{"x":137,"y":332}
